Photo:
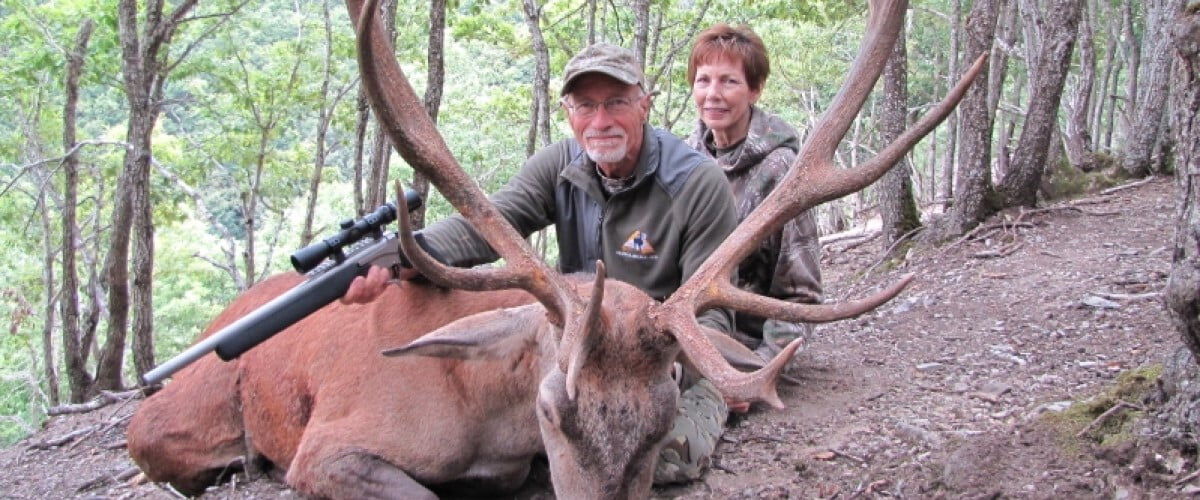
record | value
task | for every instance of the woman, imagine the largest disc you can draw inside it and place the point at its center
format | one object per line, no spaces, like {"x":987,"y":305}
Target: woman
{"x":727,"y":70}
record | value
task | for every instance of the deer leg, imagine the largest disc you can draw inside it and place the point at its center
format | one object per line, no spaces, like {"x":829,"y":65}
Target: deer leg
{"x":340,"y":472}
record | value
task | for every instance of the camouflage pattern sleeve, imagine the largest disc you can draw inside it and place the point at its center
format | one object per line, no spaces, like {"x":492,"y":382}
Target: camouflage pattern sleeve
{"x":797,"y":276}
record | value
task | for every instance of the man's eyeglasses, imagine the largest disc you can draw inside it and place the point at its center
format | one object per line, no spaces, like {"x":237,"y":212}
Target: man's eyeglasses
{"x":588,"y":109}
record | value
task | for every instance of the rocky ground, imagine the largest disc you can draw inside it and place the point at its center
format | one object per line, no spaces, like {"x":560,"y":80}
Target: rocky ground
{"x":1016,"y":365}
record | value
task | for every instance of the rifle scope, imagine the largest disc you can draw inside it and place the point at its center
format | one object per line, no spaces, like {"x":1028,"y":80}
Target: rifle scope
{"x":309,"y":257}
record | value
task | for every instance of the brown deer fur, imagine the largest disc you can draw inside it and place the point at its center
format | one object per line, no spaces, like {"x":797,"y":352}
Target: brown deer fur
{"x":321,"y":388}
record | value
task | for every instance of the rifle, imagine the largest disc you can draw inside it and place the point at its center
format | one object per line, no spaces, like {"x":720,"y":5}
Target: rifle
{"x":329,"y":266}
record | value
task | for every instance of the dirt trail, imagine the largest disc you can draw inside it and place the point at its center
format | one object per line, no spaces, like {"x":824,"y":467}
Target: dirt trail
{"x":947,"y":391}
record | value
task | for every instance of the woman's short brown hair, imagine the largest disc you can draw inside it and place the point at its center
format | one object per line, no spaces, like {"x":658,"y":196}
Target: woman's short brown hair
{"x":724,"y":42}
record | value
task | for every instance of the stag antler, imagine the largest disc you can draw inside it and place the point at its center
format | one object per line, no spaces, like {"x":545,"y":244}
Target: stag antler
{"x":414,"y":135}
{"x":812,"y":180}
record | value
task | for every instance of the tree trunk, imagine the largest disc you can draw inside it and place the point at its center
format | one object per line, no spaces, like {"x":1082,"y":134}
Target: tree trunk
{"x":143,"y":72}
{"x":1148,"y":112}
{"x":96,"y":297}
{"x":381,"y":149}
{"x":591,"y":22}
{"x":1007,"y":26}
{"x":1006,"y":35}
{"x":641,"y":29}
{"x":539,"y":126}
{"x":142,"y":298}
{"x":74,"y":352}
{"x":50,"y":295}
{"x":1003,"y":153}
{"x":949,"y":165}
{"x":1182,"y":293}
{"x":324,"y":117}
{"x":1055,"y":31}
{"x":1111,"y":122}
{"x":1078,"y":136}
{"x":1132,"y":48}
{"x":360,"y":146}
{"x":897,"y":207}
{"x":931,"y":168}
{"x":435,"y":82}
{"x":1111,"y":68}
{"x":973,"y":189}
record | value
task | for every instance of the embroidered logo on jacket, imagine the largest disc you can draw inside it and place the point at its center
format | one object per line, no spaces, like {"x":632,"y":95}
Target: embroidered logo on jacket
{"x":637,"y":246}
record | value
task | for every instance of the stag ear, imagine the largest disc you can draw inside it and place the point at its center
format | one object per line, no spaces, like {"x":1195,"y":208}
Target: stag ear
{"x":499,"y":334}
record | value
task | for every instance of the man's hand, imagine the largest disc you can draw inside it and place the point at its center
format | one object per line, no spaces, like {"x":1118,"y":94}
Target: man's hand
{"x":367,"y":288}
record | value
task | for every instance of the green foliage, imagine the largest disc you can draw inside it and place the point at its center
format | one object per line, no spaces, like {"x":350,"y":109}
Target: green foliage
{"x":188,"y":291}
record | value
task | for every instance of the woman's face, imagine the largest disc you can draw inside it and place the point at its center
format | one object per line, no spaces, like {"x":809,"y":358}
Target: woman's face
{"x":723,"y":97}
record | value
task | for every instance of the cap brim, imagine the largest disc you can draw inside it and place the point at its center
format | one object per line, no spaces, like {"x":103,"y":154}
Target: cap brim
{"x":566,"y":87}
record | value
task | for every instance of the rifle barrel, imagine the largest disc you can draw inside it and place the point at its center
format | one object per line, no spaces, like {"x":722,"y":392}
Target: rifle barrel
{"x":264,"y":322}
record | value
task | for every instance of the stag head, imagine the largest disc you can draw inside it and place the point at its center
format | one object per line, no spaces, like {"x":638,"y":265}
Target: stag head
{"x":606,"y":399}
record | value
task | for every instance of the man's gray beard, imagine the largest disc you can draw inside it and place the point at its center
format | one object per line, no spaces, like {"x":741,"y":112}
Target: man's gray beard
{"x":610,"y":156}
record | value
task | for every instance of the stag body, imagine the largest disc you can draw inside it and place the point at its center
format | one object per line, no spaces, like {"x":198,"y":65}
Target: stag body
{"x":456,"y":412}
{"x":319,"y":402}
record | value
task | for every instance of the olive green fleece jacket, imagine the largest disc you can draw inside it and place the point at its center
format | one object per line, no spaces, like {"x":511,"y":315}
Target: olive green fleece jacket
{"x":653,"y":235}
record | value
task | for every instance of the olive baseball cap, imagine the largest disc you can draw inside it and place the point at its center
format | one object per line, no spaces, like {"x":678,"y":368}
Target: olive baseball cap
{"x":607,"y":59}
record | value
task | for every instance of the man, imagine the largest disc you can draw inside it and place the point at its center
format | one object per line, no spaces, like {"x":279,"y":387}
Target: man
{"x":621,"y":191}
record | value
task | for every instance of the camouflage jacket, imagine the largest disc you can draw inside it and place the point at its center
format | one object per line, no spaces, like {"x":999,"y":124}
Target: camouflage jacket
{"x":785,"y":266}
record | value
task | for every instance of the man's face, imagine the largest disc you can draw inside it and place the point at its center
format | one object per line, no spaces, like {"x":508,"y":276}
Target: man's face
{"x":610,"y":133}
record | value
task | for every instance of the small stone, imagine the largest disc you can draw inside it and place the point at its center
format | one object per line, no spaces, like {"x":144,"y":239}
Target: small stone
{"x":1100,"y":302}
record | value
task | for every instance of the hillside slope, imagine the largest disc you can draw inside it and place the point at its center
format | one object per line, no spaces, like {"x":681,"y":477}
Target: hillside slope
{"x":956,"y":388}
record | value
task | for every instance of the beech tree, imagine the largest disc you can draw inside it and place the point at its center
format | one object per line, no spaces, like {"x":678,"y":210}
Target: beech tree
{"x":1148,"y":111}
{"x":1050,"y":30}
{"x":145,"y":65}
{"x":75,"y":343}
{"x":973,"y":184}
{"x":1183,"y":288}
{"x":897,"y":206}
{"x":1177,"y":417}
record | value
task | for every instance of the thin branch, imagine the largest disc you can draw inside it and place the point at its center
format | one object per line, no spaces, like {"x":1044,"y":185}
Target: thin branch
{"x":23,"y":169}
{"x":225,"y":16}
{"x":46,"y":31}
{"x":1107,"y":414}
{"x":1123,"y":187}
{"x":104,"y":399}
{"x":64,"y":439}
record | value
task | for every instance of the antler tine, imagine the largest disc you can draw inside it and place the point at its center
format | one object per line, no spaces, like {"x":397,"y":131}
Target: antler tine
{"x":580,"y":332}
{"x":441,"y":274}
{"x":812,"y":180}
{"x":416,"y":138}
{"x":883,"y":27}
